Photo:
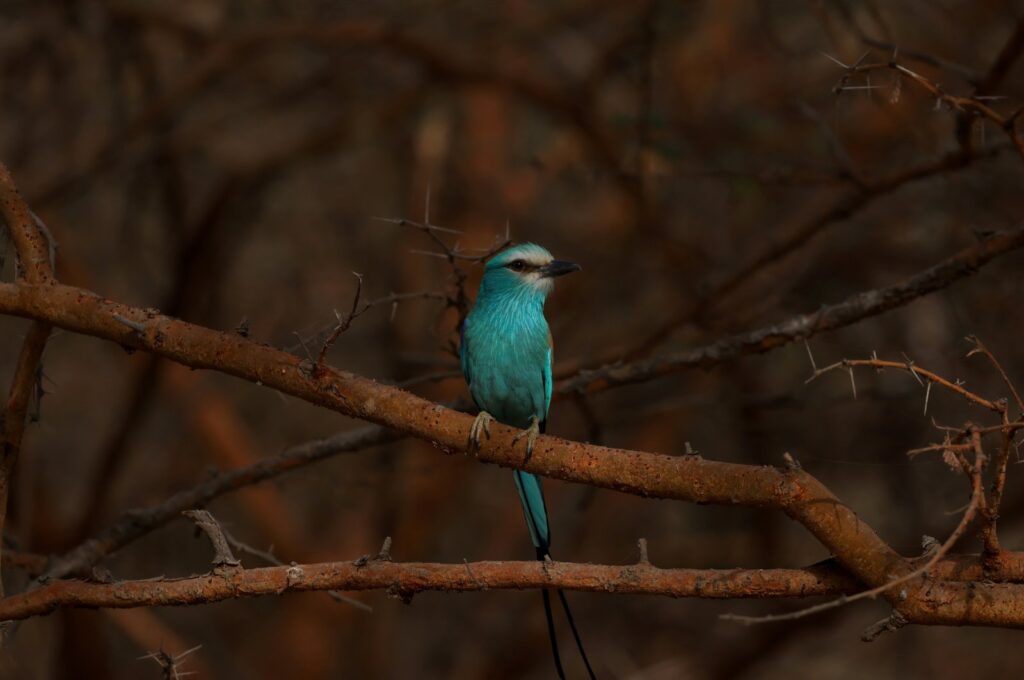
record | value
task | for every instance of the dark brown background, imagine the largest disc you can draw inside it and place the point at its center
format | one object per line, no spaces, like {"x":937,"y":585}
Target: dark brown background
{"x":224,"y":160}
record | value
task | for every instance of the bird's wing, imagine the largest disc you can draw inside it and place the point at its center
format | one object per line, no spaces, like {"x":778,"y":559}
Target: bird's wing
{"x":464,"y":352}
{"x":546,"y":378}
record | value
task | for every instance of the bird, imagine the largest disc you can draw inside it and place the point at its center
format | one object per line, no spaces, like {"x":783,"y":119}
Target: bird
{"x":505,"y":351}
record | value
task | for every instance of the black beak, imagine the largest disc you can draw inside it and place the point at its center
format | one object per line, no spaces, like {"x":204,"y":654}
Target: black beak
{"x":559,"y":268}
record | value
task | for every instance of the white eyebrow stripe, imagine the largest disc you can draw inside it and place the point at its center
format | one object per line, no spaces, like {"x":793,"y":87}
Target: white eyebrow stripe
{"x":535,"y":259}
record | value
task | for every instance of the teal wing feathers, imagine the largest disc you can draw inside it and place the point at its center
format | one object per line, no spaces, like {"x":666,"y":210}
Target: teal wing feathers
{"x":464,"y":353}
{"x":547,"y":389}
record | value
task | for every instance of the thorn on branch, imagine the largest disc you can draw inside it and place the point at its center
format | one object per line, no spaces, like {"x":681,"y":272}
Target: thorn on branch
{"x":294,"y":574}
{"x":100,"y":574}
{"x":383,"y":555}
{"x":911,"y":369}
{"x":791,"y":464}
{"x":469,"y":570}
{"x":889,"y":624}
{"x":642,"y":545}
{"x":139,"y":328}
{"x":223,"y":557}
{"x":814,"y":366}
{"x":170,"y":664}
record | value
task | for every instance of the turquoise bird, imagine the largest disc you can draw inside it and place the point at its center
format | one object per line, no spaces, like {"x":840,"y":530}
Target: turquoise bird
{"x":506,"y":360}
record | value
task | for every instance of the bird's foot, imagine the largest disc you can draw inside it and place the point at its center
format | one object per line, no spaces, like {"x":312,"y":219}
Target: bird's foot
{"x":531,"y":433}
{"x":481,"y":426}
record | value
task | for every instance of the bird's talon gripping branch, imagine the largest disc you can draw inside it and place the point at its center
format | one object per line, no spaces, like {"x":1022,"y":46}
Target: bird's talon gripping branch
{"x":531,"y":433}
{"x":481,"y":426}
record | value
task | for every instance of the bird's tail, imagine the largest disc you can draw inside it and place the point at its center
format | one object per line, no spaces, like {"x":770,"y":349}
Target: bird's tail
{"x":552,"y":635}
{"x":575,"y":633}
{"x":542,"y":555}
{"x":535,"y":509}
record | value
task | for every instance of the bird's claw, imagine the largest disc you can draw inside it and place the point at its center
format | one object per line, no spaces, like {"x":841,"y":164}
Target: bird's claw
{"x":481,"y":426}
{"x":531,"y":433}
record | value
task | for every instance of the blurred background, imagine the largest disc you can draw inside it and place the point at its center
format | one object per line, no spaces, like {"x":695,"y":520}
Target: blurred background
{"x":225,"y":161}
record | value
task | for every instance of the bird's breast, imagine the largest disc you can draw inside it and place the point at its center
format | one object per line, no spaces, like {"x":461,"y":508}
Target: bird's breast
{"x":507,"y":366}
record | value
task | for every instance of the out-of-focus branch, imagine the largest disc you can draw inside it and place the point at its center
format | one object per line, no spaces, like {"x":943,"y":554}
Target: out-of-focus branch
{"x":29,"y":241}
{"x":23,"y":386}
{"x":830,"y":317}
{"x":845,"y":206}
{"x":30,"y":563}
{"x":201,"y":245}
{"x":33,"y":250}
{"x":229,"y":50}
{"x":792,"y":239}
{"x":138,"y":522}
{"x":1012,"y":49}
{"x":867,"y":192}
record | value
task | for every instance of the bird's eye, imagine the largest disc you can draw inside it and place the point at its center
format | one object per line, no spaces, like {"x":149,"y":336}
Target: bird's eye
{"x":517,"y":265}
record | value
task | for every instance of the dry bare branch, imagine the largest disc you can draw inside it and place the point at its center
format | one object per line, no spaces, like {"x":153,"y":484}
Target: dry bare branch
{"x":405,"y":579}
{"x":32,"y":246}
{"x":830,"y":317}
{"x":138,"y":522}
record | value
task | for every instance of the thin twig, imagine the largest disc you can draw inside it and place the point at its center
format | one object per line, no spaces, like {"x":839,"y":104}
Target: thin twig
{"x":269,"y":557}
{"x":343,"y":324}
{"x":223,"y":557}
{"x":918,"y":373}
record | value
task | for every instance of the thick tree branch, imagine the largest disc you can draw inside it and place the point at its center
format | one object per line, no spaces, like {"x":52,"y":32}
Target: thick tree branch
{"x":404,"y":580}
{"x":33,"y":250}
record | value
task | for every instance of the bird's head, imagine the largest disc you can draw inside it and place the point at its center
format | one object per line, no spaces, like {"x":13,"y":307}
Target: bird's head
{"x":526,"y":269}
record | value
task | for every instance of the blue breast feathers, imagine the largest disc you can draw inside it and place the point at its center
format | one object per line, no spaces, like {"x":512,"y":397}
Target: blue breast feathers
{"x":507,"y":360}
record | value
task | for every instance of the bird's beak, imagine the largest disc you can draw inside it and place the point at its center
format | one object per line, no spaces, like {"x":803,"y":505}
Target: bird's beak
{"x":559,"y":268}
